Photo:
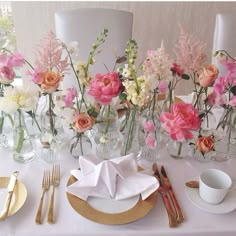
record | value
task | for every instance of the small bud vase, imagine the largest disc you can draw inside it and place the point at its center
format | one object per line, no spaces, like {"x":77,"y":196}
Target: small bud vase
{"x":80,"y":145}
{"x":23,"y":150}
{"x":178,"y":150}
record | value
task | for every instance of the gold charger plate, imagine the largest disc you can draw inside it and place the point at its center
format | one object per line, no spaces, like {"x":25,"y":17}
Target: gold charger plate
{"x":141,"y":209}
{"x":19,"y":195}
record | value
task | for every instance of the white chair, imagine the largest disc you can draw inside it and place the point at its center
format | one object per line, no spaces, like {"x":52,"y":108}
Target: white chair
{"x":85,"y":24}
{"x":224,"y":36}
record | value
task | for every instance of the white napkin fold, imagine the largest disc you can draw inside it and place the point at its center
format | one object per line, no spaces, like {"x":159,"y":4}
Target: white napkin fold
{"x":116,"y":178}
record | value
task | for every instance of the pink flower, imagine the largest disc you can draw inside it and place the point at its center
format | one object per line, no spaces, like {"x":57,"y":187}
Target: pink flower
{"x":219,"y":85}
{"x":177,"y":69}
{"x":183,"y":118}
{"x":16,"y":60}
{"x":71,"y":94}
{"x":150,"y":141}
{"x":163,"y":85}
{"x":36,"y":76}
{"x":7,"y":74}
{"x":216,"y":99}
{"x":232,"y":102}
{"x":149,"y":126}
{"x":104,"y":87}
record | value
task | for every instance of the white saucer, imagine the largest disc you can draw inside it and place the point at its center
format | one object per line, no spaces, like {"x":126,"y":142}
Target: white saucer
{"x":228,"y":205}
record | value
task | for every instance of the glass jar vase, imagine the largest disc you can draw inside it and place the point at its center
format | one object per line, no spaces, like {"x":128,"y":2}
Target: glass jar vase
{"x":23,"y":150}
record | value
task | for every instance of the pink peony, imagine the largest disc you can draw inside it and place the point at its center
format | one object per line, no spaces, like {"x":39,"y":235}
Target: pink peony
{"x":149,"y":126}
{"x":104,"y":87}
{"x":16,"y":60}
{"x":183,"y":118}
{"x":71,"y":94}
{"x":232,"y":102}
{"x":150,"y":141}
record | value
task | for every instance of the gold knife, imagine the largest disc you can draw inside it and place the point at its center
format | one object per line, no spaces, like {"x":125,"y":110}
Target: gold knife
{"x":168,"y":187}
{"x":10,"y":187}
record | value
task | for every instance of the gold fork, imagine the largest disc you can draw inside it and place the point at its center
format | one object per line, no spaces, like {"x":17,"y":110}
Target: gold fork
{"x":55,"y":181}
{"x":45,"y":187}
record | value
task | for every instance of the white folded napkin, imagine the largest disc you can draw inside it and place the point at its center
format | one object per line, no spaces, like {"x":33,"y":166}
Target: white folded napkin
{"x":116,"y":178}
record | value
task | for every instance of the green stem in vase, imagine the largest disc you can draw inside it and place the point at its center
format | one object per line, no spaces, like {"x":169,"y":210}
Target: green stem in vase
{"x":179,"y":148}
{"x":20,"y":134}
{"x":51,"y":114}
{"x":130,"y":131}
{"x":1,"y":122}
{"x":107,"y":119}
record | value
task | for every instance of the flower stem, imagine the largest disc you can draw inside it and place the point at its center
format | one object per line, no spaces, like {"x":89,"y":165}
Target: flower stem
{"x":20,"y":134}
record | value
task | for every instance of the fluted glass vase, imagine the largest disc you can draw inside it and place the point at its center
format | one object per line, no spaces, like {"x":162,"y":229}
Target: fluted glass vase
{"x":107,"y":135}
{"x":23,"y":150}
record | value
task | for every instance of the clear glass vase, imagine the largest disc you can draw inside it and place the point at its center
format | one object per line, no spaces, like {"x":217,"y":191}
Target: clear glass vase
{"x":23,"y":150}
{"x":80,"y":145}
{"x":51,"y":135}
{"x":178,"y":150}
{"x":132,"y":135}
{"x":6,"y":130}
{"x":224,"y":135}
{"x":107,"y":134}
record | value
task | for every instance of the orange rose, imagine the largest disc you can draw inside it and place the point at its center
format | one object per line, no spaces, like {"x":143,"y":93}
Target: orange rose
{"x":209,"y":74}
{"x":205,"y":143}
{"x":83,"y":122}
{"x":50,"y":81}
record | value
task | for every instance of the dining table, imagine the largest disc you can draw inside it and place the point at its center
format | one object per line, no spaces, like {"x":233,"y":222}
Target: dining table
{"x":68,"y":222}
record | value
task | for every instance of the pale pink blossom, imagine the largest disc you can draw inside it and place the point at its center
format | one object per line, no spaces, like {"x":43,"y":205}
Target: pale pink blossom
{"x":180,"y":121}
{"x":150,"y":141}
{"x":7,"y":75}
{"x":216,"y":99}
{"x":69,"y":97}
{"x":190,"y":52}
{"x":149,"y":126}
{"x":219,"y":85}
{"x":104,"y":87}
{"x":36,"y":75}
{"x":16,"y":60}
{"x":232,"y":102}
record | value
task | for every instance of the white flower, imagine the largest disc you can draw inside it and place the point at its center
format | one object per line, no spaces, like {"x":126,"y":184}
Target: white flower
{"x":18,"y":98}
{"x":73,"y":49}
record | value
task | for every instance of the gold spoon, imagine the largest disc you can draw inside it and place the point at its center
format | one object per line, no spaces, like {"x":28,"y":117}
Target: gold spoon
{"x":192,"y":184}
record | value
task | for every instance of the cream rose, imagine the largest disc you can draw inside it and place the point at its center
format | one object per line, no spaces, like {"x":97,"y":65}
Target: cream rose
{"x":209,"y":74}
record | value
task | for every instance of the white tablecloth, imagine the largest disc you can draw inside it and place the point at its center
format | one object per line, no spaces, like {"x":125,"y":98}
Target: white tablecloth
{"x":70,"y":223}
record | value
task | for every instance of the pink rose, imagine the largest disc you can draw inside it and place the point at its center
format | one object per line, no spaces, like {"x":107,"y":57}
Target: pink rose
{"x":104,"y":87}
{"x":7,"y":75}
{"x":216,"y":99}
{"x":205,"y":144}
{"x":150,"y":141}
{"x":209,"y":74}
{"x":149,"y":126}
{"x":83,"y":122}
{"x":183,"y":118}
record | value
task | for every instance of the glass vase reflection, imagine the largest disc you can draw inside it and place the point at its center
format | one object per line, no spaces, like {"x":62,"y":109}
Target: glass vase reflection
{"x":80,"y":145}
{"x":107,"y":135}
{"x":23,"y":150}
{"x":178,"y":150}
{"x":6,"y":130}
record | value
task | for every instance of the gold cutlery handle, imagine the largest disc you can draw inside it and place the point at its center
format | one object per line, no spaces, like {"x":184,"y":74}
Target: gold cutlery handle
{"x":6,"y":207}
{"x":38,"y":218}
{"x":179,"y":213}
{"x":51,"y":208}
{"x":172,"y":219}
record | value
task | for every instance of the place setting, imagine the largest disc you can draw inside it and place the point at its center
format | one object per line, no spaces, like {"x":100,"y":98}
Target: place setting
{"x":13,"y":194}
{"x":213,"y":191}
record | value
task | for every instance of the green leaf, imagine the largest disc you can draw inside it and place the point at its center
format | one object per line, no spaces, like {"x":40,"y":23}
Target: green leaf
{"x":185,"y":76}
{"x":233,"y":90}
{"x":123,"y":97}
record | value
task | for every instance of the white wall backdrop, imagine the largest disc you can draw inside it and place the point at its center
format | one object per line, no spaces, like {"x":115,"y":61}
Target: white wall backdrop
{"x":153,"y":21}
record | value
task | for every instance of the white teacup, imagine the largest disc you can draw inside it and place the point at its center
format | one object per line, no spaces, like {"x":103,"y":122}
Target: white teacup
{"x":214,"y":185}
